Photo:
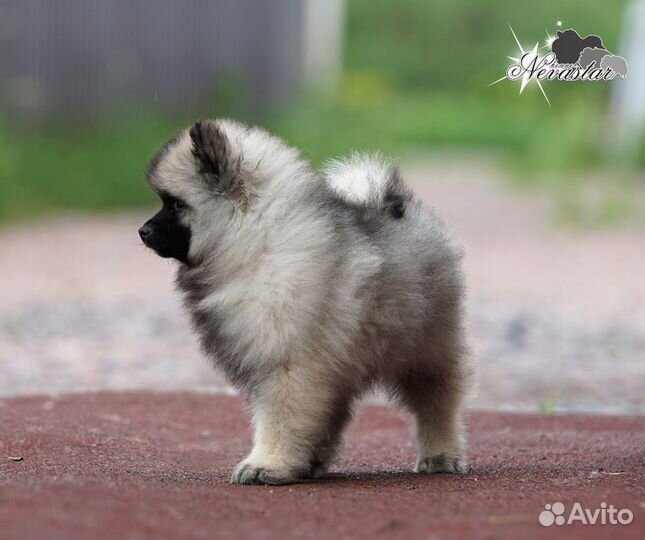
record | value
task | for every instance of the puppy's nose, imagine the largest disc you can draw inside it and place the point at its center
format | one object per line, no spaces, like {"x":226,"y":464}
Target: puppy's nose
{"x":144,"y":232}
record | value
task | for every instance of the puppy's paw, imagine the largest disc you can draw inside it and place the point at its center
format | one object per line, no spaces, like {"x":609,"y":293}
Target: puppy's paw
{"x":442,"y":463}
{"x":249,"y":473}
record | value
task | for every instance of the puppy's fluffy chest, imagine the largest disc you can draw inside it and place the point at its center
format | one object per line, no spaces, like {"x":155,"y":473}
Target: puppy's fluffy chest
{"x":264,"y":306}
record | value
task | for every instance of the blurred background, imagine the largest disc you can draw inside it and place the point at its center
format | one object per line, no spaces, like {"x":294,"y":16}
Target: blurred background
{"x":549,"y":201}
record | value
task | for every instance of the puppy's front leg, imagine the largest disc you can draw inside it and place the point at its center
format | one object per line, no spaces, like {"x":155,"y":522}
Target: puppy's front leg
{"x":291,"y":416}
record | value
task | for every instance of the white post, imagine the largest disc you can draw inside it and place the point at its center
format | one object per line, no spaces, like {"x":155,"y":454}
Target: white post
{"x":627,"y":98}
{"x":323,"y":30}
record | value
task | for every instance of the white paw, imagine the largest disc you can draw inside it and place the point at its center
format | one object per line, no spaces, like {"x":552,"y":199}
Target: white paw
{"x":253,"y":474}
{"x":442,"y":463}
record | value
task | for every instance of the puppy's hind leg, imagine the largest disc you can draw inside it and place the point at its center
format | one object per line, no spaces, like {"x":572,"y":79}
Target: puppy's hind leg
{"x":436,"y":402}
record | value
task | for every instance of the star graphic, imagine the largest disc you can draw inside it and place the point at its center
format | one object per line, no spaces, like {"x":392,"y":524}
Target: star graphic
{"x":526,"y":78}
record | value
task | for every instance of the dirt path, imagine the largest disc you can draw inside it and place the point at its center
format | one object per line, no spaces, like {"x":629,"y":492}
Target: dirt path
{"x":557,"y":317}
{"x":157,"y":466}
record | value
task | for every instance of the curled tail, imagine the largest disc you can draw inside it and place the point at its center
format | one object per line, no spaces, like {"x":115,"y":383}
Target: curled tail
{"x":369,"y":181}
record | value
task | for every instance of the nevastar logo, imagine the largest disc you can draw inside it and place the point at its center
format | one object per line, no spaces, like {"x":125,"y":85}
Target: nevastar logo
{"x":547,"y":68}
{"x":604,"y":515}
{"x":564,"y":57}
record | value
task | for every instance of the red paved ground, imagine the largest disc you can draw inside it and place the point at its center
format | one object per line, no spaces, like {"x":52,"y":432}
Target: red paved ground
{"x":156,"y":466}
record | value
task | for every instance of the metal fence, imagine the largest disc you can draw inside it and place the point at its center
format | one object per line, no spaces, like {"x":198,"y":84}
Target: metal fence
{"x":77,"y":58}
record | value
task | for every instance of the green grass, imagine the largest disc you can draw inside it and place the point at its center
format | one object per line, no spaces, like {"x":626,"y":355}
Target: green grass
{"x":94,"y":168}
{"x":397,"y":123}
{"x":101,"y":167}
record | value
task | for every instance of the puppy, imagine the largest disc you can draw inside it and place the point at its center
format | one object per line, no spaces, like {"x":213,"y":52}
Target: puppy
{"x":307,"y":289}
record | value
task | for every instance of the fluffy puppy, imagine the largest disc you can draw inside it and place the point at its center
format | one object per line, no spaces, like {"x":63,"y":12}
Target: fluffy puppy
{"x":307,"y":289}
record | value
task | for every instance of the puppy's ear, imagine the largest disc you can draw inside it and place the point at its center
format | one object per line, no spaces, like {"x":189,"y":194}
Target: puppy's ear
{"x":211,"y":150}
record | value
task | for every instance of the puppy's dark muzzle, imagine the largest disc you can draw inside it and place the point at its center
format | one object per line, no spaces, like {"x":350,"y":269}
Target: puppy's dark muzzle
{"x":166,"y":239}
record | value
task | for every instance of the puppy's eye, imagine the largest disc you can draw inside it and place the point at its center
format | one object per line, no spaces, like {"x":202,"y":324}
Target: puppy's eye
{"x":178,"y":205}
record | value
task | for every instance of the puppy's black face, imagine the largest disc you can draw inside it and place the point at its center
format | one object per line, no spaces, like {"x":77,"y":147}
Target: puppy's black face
{"x":165,"y":234}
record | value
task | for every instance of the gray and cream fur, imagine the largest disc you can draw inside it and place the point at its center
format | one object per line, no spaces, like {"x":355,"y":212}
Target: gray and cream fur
{"x":307,"y":289}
